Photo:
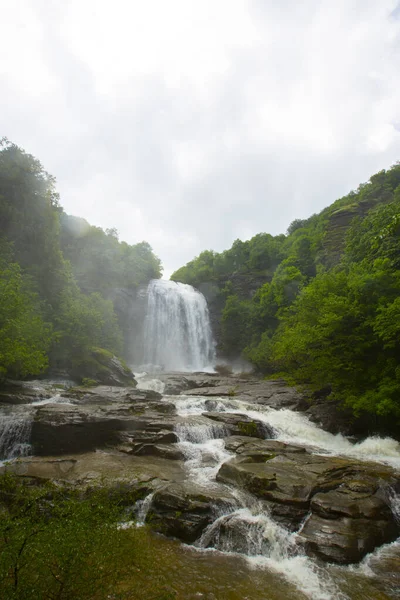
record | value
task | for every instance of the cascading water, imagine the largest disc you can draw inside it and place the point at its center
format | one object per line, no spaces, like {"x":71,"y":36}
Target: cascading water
{"x":15,"y":432}
{"x":177,"y":332}
{"x":243,"y":526}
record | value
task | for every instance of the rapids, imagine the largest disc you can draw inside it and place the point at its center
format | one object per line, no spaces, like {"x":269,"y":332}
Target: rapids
{"x":245,"y":529}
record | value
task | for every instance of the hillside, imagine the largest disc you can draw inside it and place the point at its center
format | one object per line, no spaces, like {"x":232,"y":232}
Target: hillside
{"x":320,"y":304}
{"x":58,"y":277}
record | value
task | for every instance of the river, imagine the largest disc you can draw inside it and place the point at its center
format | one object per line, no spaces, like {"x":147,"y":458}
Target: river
{"x":258,"y":558}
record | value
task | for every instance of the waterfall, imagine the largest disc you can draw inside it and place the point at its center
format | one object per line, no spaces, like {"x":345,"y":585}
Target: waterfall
{"x":15,"y":432}
{"x":177,"y":328}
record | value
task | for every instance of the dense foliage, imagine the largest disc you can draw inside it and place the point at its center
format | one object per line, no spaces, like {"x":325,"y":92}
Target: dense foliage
{"x":321,"y":304}
{"x":57,"y":274}
{"x":58,"y":544}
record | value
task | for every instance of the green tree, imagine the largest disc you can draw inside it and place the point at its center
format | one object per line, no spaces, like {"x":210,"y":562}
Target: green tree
{"x":24,"y":336}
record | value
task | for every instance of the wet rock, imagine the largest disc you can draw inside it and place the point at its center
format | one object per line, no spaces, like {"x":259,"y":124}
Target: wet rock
{"x":248,"y":446}
{"x":167,"y":451}
{"x":273,"y":478}
{"x":20,"y":392}
{"x":220,"y":390}
{"x":214,"y":404}
{"x":345,"y":540}
{"x":344,"y":502}
{"x":102,"y":366}
{"x":163,"y":436}
{"x":386,"y":568}
{"x":275,"y":393}
{"x":63,"y":428}
{"x":91,"y":424}
{"x":233,"y":533}
{"x":102,"y":467}
{"x":178,"y":383}
{"x":100,"y":416}
{"x":238,"y":424}
{"x":331,"y":417}
{"x":346,"y":524}
{"x":348,"y":501}
{"x":185,"y":510}
{"x":105,"y":394}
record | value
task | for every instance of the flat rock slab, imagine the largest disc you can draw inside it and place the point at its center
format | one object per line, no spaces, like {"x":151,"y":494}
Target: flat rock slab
{"x":96,"y":418}
{"x":270,"y":393}
{"x":252,"y":446}
{"x":239,"y":424}
{"x":100,"y":467}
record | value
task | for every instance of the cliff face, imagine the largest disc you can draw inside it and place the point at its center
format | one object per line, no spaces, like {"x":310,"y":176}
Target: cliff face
{"x":339,"y":222}
{"x":244,"y":285}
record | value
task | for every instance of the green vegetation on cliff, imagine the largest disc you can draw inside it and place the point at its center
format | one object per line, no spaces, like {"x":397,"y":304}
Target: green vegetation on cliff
{"x":320,"y":304}
{"x":57,"y":274}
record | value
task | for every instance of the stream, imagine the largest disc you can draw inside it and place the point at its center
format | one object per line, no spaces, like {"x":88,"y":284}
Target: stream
{"x":244,"y":534}
{"x":244,"y":554}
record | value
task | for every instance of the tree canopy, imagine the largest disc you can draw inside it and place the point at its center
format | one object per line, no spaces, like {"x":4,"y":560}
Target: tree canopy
{"x":320,"y":304}
{"x":57,"y":273}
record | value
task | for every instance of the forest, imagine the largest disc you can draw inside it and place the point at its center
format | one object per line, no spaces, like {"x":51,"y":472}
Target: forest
{"x":57,"y":274}
{"x":320,"y":305}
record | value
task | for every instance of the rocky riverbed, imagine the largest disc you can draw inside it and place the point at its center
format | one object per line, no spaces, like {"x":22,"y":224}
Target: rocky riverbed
{"x":218,"y":462}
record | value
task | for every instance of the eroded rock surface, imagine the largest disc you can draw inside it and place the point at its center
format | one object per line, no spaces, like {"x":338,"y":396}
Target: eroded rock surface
{"x":346,"y":502}
{"x":129,"y":437}
{"x":95,"y":417}
{"x":270,"y":393}
{"x":240,"y":424}
{"x":184,"y":510}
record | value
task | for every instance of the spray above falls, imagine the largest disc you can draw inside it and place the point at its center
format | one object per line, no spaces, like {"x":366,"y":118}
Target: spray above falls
{"x":177,"y":332}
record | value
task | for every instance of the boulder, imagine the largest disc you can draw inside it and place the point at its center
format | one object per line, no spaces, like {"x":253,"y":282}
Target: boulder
{"x":346,"y":524}
{"x":167,"y":451}
{"x":177,"y":383}
{"x":331,"y":417}
{"x":103,"y":367}
{"x":345,"y":502}
{"x":238,"y":424}
{"x":64,"y":428}
{"x":184,"y":510}
{"x":249,"y":446}
{"x":345,"y":540}
{"x":97,"y":417}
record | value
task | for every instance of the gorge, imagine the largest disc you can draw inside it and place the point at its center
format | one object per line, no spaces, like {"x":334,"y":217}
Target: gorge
{"x":282,"y":482}
{"x":233,"y":466}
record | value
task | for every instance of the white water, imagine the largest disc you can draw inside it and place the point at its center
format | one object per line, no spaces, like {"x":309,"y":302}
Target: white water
{"x":177,"y":328}
{"x":245,"y":527}
{"x":57,"y":399}
{"x":15,"y":432}
{"x":16,"y":427}
{"x":142,"y":508}
{"x":147,"y":382}
{"x":295,"y":428}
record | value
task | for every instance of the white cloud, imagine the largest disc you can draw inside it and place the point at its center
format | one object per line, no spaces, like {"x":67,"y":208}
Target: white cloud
{"x":190,"y":123}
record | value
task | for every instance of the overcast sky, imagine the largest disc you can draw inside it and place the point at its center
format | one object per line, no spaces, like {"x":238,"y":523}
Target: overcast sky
{"x":190,"y":123}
